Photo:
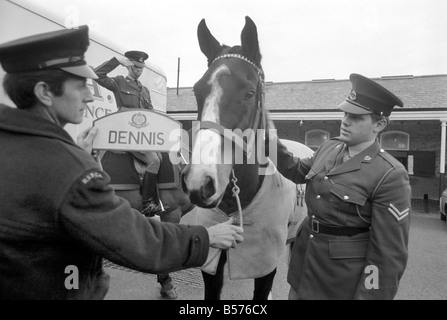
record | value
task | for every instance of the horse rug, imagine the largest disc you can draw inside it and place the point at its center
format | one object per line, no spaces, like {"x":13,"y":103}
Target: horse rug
{"x":269,"y":221}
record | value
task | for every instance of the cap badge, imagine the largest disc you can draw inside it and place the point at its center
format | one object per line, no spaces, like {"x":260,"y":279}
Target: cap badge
{"x":141,"y":59}
{"x":139,"y":121}
{"x":352,"y":95}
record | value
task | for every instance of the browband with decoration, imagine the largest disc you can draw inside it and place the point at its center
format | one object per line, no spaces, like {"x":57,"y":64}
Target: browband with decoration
{"x":238,"y":56}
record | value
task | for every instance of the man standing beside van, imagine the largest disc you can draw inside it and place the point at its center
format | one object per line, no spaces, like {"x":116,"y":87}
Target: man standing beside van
{"x":130,"y":94}
{"x":133,"y":174}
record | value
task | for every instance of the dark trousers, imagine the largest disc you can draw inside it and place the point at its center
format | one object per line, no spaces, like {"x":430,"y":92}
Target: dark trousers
{"x":214,"y":283}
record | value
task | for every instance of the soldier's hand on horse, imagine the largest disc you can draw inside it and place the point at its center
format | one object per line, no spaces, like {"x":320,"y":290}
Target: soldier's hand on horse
{"x":85,"y":139}
{"x":225,"y":235}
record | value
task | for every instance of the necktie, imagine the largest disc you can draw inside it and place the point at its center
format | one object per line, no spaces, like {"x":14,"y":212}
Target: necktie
{"x":346,"y":156}
{"x":340,"y":157}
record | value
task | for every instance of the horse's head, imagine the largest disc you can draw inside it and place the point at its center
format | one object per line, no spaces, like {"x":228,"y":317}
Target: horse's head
{"x":229,"y":99}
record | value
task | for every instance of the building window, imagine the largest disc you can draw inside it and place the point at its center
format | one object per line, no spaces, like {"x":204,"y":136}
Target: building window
{"x":395,"y":140}
{"x":314,"y":138}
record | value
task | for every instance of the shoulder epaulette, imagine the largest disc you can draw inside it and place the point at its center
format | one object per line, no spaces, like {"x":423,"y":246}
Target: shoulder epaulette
{"x":389,"y":158}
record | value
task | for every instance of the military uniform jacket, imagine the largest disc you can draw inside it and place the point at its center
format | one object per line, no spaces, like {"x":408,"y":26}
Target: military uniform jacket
{"x":58,"y":211}
{"x":127,"y":92}
{"x":370,"y":190}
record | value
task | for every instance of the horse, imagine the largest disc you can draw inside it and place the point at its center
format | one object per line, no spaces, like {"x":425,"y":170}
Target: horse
{"x":227,"y":176}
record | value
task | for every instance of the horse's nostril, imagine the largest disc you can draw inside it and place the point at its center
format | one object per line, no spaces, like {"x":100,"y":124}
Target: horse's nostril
{"x":208,"y":189}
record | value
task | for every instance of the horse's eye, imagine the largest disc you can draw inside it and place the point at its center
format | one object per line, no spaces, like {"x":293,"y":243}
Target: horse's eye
{"x":250,"y":94}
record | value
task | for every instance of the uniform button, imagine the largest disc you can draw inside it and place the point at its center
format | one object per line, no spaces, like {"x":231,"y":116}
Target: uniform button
{"x":307,"y":176}
{"x":318,"y":197}
{"x":381,"y":150}
{"x":311,"y":236}
{"x":346,"y":197}
{"x":326,"y":178}
{"x":313,"y":217}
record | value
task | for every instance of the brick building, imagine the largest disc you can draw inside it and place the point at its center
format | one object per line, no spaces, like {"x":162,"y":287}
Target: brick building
{"x":306,"y":111}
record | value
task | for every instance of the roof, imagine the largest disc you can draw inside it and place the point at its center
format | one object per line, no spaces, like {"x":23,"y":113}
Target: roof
{"x":417,"y":92}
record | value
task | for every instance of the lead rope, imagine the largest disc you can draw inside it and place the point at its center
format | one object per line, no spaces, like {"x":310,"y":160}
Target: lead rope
{"x":236,"y":191}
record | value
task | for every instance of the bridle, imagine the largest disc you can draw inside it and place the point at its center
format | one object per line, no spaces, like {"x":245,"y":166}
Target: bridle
{"x":259,"y":122}
{"x":260,"y":118}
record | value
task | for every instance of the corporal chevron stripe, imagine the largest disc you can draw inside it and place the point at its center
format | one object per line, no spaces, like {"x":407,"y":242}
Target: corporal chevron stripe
{"x":399,"y":215}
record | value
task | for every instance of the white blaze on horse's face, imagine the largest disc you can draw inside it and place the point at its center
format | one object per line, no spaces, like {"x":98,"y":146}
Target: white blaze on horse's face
{"x":206,"y":163}
{"x":211,"y":106}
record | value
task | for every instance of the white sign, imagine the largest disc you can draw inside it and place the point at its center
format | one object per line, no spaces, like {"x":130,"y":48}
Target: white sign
{"x":138,"y":130}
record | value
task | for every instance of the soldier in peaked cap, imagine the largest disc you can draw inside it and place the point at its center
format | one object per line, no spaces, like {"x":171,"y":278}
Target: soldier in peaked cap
{"x":137,"y":57}
{"x":59,"y":215}
{"x":129,"y":91}
{"x":354,"y":242}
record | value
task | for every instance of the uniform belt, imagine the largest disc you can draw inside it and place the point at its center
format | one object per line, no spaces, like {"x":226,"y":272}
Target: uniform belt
{"x":317,"y":227}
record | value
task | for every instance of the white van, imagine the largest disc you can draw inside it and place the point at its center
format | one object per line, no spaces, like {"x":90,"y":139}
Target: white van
{"x":21,"y":18}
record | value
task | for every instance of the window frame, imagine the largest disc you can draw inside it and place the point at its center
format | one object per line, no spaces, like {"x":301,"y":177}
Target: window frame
{"x":401,"y":133}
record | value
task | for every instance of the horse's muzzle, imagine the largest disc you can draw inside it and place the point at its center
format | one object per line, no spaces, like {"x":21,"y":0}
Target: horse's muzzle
{"x":204,"y":194}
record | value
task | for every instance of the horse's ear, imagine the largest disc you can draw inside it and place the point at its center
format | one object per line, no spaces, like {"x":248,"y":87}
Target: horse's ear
{"x":249,"y":41}
{"x":208,"y":44}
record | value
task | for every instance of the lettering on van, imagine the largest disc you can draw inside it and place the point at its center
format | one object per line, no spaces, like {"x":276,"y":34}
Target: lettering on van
{"x":136,"y":138}
{"x":98,"y":110}
{"x":95,"y":89}
{"x":94,"y":112}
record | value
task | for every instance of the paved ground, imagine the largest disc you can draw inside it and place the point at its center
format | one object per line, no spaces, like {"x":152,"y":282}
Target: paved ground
{"x":128,"y":284}
{"x":424,"y":279}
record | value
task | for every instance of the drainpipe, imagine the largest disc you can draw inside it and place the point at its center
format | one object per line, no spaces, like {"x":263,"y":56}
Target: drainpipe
{"x":442,"y":156}
{"x":178,"y":73}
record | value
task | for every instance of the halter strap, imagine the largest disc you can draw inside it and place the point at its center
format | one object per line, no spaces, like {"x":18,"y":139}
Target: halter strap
{"x":260,"y":113}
